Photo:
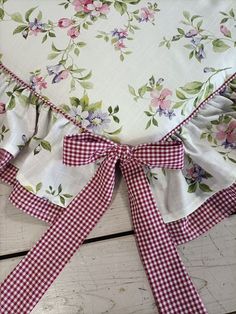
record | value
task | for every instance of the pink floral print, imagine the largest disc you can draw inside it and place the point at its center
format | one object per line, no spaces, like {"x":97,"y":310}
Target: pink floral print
{"x":38,"y":82}
{"x":160,"y":104}
{"x":2,"y":108}
{"x":221,"y":133}
{"x":159,"y":99}
{"x":226,"y":132}
{"x":120,"y":45}
{"x":119,"y":36}
{"x":97,"y":7}
{"x":64,"y":22}
{"x":225,"y":31}
{"x":198,"y":38}
{"x":82,"y":5}
{"x":196,"y":177}
{"x":73,"y":32}
{"x":36,"y":27}
{"x":146,"y":14}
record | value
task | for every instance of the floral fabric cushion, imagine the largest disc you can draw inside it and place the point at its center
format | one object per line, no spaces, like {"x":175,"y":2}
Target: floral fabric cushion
{"x":126,"y":70}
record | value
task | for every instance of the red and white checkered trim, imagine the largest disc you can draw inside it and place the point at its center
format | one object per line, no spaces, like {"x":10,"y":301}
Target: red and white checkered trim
{"x":151,"y":154}
{"x":172,"y":287}
{"x":216,"y":208}
{"x":34,"y":205}
{"x":5,"y":157}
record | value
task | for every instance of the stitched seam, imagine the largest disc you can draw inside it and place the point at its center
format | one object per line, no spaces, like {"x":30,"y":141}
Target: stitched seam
{"x":71,"y":119}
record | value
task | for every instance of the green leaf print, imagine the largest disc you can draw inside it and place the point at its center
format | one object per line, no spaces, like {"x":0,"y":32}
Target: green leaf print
{"x":120,"y":7}
{"x":28,"y":13}
{"x":3,"y":131}
{"x":46,"y":145}
{"x":2,"y":13}
{"x":192,"y":188}
{"x":17,"y":17}
{"x":197,"y":38}
{"x":57,"y":193}
{"x":42,"y":144}
{"x":19,"y":29}
{"x":35,"y":190}
{"x":12,"y":103}
{"x":204,"y":187}
{"x":219,"y":45}
{"x":192,"y":87}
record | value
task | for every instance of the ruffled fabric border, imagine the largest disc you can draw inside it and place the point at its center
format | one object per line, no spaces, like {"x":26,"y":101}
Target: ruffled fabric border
{"x":76,"y":123}
{"x":219,"y":206}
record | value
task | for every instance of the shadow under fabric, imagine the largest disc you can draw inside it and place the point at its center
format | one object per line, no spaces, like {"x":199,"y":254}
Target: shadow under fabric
{"x":170,"y":283}
{"x":157,"y":241}
{"x":169,"y":103}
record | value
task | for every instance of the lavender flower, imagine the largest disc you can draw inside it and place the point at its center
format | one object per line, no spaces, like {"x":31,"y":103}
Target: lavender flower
{"x":195,"y":41}
{"x":195,"y":174}
{"x":170,"y":114}
{"x":78,"y":112}
{"x":36,"y":27}
{"x":53,"y":69}
{"x":98,"y":121}
{"x":227,"y":144}
{"x":191,"y":33}
{"x":161,"y":111}
{"x":201,"y":54}
{"x":166,"y":112}
{"x":121,"y":34}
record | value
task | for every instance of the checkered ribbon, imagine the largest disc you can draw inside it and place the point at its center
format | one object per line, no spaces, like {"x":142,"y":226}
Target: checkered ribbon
{"x":172,"y":288}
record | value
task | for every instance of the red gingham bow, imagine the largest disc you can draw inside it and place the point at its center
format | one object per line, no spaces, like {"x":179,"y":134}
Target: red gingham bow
{"x":172,"y":288}
{"x":86,"y":148}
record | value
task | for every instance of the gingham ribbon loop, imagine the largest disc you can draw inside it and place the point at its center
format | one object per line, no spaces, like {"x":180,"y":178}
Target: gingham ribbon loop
{"x":81,"y":149}
{"x":171,"y":286}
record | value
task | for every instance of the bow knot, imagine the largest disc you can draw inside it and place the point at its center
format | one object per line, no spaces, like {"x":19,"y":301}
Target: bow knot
{"x":171,"y":286}
{"x":82,"y":149}
{"x":123,"y":152}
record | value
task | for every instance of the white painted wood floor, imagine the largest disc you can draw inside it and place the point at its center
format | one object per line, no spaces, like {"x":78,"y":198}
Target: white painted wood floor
{"x":107,"y":276}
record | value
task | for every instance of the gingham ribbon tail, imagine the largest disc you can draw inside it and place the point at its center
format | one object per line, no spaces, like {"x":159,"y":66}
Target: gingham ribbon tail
{"x":171,"y":286}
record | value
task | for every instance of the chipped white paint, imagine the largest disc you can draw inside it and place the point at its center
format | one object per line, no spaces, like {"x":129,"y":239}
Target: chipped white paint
{"x":108,"y":278}
{"x":19,"y":231}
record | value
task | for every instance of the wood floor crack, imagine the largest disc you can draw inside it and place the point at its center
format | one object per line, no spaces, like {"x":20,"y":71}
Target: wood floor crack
{"x":92,"y":240}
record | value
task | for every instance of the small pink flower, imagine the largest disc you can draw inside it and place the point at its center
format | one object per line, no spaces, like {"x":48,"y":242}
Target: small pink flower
{"x":2,"y":108}
{"x":64,"y":22}
{"x":147,"y":14}
{"x":97,"y":7}
{"x":159,"y":99}
{"x":73,"y":32}
{"x":227,"y":132}
{"x":81,"y":5}
{"x":120,"y":45}
{"x":191,"y":33}
{"x":191,"y":172}
{"x":225,"y":31}
{"x":123,"y":32}
{"x":64,"y":74}
{"x":40,"y":82}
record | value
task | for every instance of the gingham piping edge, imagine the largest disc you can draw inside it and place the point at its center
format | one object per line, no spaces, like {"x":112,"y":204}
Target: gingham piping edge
{"x":75,"y":122}
{"x":181,"y":231}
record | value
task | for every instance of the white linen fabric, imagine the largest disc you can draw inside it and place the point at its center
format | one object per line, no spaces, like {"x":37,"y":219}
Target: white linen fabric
{"x":131,"y":71}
